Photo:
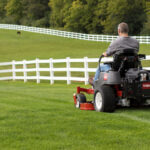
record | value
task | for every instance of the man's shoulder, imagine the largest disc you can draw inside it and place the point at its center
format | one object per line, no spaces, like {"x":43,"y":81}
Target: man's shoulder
{"x":134,"y":39}
{"x":117,"y":40}
{"x":122,"y":39}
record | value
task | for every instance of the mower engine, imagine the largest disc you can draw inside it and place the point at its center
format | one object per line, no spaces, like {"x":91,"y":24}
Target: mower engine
{"x":136,"y":84}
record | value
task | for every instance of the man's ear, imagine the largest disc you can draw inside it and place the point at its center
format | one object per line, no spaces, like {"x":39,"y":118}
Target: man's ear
{"x":119,"y":32}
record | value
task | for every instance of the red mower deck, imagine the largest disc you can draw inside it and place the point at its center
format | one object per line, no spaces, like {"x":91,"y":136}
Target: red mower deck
{"x":86,"y":105}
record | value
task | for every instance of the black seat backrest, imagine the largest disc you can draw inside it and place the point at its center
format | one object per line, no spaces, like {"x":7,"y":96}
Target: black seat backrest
{"x":125,"y":59}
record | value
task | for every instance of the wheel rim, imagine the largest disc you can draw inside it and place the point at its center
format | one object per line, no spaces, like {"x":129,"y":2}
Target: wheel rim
{"x":77,"y":104}
{"x":98,"y":100}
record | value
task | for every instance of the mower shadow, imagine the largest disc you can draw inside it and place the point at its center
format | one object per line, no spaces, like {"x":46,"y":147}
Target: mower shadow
{"x":139,"y":108}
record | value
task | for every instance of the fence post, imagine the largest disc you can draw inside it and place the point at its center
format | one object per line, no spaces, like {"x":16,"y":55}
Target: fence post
{"x":88,"y":37}
{"x":96,"y":37}
{"x":68,"y":70}
{"x":13,"y":70}
{"x":51,"y":70}
{"x":37,"y":71}
{"x":141,"y":39}
{"x":86,"y":74}
{"x":102,"y":38}
{"x":107,"y":38}
{"x":24,"y":70}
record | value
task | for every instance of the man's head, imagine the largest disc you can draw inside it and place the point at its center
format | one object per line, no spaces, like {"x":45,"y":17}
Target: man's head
{"x":123,"y":29}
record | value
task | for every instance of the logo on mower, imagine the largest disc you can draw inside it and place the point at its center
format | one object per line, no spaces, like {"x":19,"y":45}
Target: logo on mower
{"x":146,"y":85}
{"x":105,"y":76}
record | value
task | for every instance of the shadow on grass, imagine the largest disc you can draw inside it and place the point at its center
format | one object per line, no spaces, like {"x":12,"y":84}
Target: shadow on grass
{"x":139,"y":108}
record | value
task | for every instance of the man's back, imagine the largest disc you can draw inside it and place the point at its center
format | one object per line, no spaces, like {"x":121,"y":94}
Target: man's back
{"x":122,"y":43}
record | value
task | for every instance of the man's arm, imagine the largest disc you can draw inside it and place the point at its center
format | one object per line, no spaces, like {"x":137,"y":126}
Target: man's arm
{"x":111,"y":49}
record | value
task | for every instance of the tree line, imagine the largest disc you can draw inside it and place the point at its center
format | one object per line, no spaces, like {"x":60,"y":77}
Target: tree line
{"x":85,"y":16}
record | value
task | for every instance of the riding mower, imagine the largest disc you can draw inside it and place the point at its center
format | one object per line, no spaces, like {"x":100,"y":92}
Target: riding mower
{"x":125,"y":84}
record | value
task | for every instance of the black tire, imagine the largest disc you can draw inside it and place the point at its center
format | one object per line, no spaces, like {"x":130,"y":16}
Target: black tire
{"x":80,"y":99}
{"x":104,"y":99}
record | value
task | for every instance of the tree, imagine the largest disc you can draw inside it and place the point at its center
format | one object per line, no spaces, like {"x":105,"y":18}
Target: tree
{"x":56,"y":19}
{"x":36,"y":13}
{"x":3,"y":4}
{"x":28,"y":12}
{"x":85,"y":16}
{"x":14,"y":9}
{"x":146,"y":28}
{"x":129,"y":11}
{"x":74,"y":21}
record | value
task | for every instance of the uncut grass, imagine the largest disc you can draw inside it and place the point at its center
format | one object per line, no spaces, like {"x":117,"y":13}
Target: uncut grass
{"x":30,"y":46}
{"x":19,"y":74}
{"x":31,"y":73}
{"x":6,"y":74}
{"x":5,"y":67}
{"x":146,"y":63}
{"x":43,"y":117}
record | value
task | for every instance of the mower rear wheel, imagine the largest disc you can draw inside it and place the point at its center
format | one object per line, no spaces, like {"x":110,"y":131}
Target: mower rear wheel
{"x":104,"y":99}
{"x":80,"y":98}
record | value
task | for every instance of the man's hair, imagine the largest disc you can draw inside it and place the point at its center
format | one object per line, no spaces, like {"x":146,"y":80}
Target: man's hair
{"x":123,"y":27}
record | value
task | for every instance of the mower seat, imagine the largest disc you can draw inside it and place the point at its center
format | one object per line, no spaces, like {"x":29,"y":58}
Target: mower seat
{"x":124,"y":60}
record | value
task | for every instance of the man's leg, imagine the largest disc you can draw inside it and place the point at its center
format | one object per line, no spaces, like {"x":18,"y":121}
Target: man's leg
{"x":104,"y":68}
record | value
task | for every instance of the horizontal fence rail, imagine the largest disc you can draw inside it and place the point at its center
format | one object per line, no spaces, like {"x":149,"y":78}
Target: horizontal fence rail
{"x":74,"y":35}
{"x":34,"y":66}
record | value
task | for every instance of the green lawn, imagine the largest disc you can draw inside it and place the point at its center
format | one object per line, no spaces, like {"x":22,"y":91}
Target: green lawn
{"x":43,"y":117}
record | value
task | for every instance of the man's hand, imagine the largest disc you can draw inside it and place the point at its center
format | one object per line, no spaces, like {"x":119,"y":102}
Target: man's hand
{"x":105,"y":55}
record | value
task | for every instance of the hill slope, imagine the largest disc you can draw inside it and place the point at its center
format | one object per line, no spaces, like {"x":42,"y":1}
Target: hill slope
{"x":31,"y":45}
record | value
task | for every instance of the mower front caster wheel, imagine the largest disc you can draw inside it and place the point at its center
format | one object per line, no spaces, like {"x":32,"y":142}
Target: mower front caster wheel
{"x":80,"y":98}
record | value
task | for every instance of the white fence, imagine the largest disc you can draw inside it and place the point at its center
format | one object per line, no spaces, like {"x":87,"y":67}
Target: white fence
{"x":90,"y":37}
{"x":26,"y":66}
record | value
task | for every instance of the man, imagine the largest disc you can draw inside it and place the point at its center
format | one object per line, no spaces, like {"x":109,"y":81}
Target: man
{"x":122,"y":42}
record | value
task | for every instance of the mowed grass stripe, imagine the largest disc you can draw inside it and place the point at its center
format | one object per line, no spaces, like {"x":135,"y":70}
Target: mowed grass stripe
{"x":135,"y":118}
{"x":43,"y":117}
